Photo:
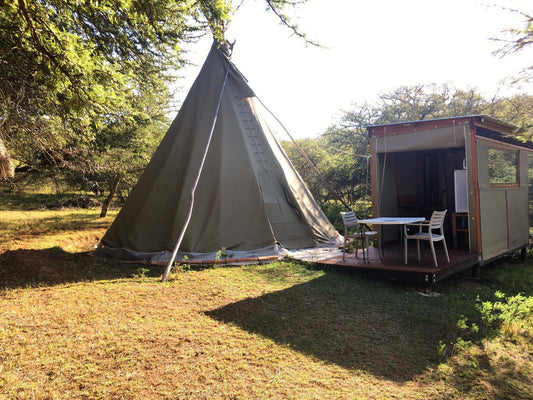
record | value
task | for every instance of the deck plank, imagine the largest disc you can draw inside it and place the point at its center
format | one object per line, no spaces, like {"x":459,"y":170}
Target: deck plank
{"x":393,"y":262}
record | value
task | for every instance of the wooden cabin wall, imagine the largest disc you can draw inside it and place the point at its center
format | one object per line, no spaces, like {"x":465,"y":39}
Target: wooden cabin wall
{"x":504,"y":214}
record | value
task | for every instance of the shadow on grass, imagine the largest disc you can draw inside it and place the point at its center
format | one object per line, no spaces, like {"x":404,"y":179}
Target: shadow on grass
{"x":53,"y":225}
{"x":356,"y":325}
{"x":511,"y":275}
{"x":53,"y":266}
{"x":499,"y":375}
{"x":19,"y":201}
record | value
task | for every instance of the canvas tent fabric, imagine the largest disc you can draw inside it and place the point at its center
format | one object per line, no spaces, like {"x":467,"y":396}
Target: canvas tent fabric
{"x":249,"y":201}
{"x":439,"y":138}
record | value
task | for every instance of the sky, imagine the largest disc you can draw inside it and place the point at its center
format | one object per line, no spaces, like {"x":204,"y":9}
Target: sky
{"x":369,"y":47}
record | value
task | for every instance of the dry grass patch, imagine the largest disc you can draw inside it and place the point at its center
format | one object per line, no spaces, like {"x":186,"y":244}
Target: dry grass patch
{"x":137,"y":338}
{"x":73,"y":326}
{"x":40,"y":229}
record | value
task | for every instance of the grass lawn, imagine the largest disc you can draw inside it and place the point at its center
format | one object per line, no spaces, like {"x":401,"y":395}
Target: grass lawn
{"x":74,"y":326}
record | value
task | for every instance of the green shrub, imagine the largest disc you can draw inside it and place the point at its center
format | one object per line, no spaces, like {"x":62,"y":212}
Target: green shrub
{"x":332,"y":209}
{"x":509,"y":315}
{"x":511,"y":277}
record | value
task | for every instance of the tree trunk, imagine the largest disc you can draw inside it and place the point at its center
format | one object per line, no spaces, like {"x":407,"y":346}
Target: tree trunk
{"x":112,"y":191}
{"x":56,"y":183}
{"x":7,"y":170}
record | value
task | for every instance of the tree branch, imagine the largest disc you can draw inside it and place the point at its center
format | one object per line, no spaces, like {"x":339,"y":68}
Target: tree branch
{"x":285,"y":21}
{"x":43,"y":50}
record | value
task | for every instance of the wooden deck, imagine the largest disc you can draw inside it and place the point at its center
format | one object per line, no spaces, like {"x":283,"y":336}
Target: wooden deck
{"x":392,"y":266}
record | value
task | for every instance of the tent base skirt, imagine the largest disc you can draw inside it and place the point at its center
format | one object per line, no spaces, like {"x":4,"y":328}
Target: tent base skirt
{"x":269,"y":253}
{"x":266,"y":254}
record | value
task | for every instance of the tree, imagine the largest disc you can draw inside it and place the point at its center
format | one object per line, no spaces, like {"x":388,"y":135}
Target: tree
{"x":517,"y":110}
{"x":348,"y":143}
{"x":341,"y":156}
{"x":76,"y":76}
{"x":69,"y":68}
{"x":426,"y":101}
{"x":518,"y":39}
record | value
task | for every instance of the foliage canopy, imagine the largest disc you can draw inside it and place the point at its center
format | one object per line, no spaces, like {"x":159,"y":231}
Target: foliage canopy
{"x":84,"y":84}
{"x":71,"y":68}
{"x":517,"y":39}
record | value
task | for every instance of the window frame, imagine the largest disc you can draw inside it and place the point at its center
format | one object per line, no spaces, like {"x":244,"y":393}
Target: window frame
{"x":517,"y":166}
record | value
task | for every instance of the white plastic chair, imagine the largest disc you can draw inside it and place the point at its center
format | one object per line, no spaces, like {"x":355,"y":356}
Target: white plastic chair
{"x":350,"y":221}
{"x":436,"y":223}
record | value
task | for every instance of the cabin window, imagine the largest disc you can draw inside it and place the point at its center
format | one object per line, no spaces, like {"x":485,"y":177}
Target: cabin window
{"x":503,"y":166}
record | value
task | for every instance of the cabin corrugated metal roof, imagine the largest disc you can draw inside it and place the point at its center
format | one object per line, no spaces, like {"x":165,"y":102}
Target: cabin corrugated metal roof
{"x":462,"y":117}
{"x":486,"y":126}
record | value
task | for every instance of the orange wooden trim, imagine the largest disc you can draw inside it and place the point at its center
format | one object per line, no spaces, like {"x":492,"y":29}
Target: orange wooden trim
{"x":504,"y":185}
{"x":249,"y":259}
{"x":502,"y":145}
{"x":401,"y":128}
{"x":455,"y":229}
{"x":507,"y":212}
{"x":268,"y":258}
{"x":372,"y":183}
{"x":191,"y":262}
{"x":495,"y":125}
{"x":223,"y":261}
{"x":518,"y":168}
{"x":416,"y":126}
{"x":475,"y":187}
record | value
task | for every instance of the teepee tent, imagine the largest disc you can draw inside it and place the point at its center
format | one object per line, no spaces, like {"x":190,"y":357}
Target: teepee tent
{"x":249,"y":199}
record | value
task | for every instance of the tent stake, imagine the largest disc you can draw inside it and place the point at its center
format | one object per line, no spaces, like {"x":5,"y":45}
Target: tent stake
{"x":193,"y":190}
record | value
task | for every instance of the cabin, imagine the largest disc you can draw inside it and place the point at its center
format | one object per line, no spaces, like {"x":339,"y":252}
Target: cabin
{"x":473,"y":166}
